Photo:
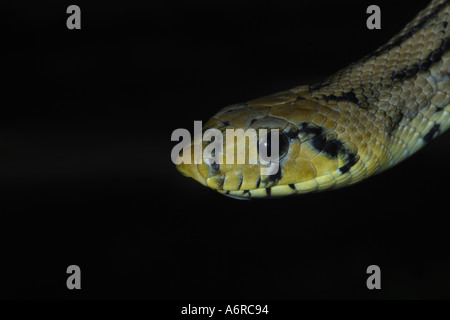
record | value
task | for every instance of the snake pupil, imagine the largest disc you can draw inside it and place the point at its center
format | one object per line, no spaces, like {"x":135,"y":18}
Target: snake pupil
{"x":283,"y":146}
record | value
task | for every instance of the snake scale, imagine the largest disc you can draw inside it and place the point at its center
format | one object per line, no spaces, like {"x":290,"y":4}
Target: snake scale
{"x":362,"y":120}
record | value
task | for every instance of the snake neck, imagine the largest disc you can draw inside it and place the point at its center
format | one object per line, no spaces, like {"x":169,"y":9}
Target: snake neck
{"x":399,"y":93}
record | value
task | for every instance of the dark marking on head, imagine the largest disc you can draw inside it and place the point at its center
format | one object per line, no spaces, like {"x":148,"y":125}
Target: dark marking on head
{"x":292,"y":186}
{"x":293,"y":134}
{"x":258,"y":183}
{"x":317,"y":139}
{"x":351,"y":161}
{"x":273,"y":179}
{"x":253,"y":121}
{"x":319,"y":142}
{"x":245,"y":192}
{"x":433,"y":133}
{"x":227,"y":192}
{"x":226,"y":123}
{"x":332,"y":148}
{"x":240,"y":183}
{"x":312,"y":129}
{"x":268,"y":191}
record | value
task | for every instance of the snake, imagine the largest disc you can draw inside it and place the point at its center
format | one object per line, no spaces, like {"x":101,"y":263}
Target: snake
{"x":360,"y":121}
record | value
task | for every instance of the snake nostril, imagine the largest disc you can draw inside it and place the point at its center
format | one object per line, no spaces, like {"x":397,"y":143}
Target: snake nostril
{"x":215,"y":166}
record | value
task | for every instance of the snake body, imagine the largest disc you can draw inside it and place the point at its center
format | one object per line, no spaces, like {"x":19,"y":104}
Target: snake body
{"x":362,"y":120}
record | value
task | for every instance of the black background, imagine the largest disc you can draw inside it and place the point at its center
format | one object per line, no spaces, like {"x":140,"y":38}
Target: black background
{"x":86,"y":176}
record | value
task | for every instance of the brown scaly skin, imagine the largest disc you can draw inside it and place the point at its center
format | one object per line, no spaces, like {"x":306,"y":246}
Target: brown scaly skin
{"x":361,"y":121}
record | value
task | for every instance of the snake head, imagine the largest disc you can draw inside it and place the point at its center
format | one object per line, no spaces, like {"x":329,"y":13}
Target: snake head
{"x":229,"y":159}
{"x":294,"y":153}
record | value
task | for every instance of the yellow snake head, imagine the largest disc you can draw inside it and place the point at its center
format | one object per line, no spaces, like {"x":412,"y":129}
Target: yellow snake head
{"x":310,"y":156}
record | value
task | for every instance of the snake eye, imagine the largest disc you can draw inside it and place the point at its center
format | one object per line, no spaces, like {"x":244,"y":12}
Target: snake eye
{"x":266,"y":147}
